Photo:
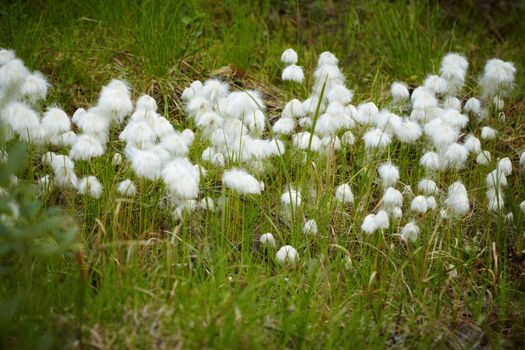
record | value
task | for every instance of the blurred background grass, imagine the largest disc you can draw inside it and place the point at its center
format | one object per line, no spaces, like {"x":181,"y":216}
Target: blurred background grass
{"x":161,"y":45}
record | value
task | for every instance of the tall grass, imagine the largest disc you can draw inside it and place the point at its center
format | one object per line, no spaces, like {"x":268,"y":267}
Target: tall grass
{"x":150,"y":281}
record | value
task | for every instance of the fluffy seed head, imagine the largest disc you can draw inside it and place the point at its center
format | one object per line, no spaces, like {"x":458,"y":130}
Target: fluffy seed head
{"x":91,"y":186}
{"x":240,"y":181}
{"x":287,"y":255}
{"x":410,"y":232}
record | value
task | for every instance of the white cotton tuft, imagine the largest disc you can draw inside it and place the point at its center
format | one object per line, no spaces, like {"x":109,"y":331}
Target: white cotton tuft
{"x":327,"y":58}
{"x":138,"y":134}
{"x":487,"y":133}
{"x":408,"y":131}
{"x":12,"y":74}
{"x":387,"y":122}
{"x":127,"y":188}
{"x":116,"y":159}
{"x":522,"y":160}
{"x":91,"y":186}
{"x":284,"y":126}
{"x":115,"y":100}
{"x":91,"y":122}
{"x":267,"y":239}
{"x":389,"y":174}
{"x":181,"y":178}
{"x":289,"y":56}
{"x":495,"y":199}
{"x":454,"y":69}
{"x":423,"y":99}
{"x":207,"y":203}
{"x":376,"y":138}
{"x":454,"y":118}
{"x":291,"y":198}
{"x":348,"y":138}
{"x":86,"y":147}
{"x":441,"y":133}
{"x":397,"y":213}
{"x":343,"y":194}
{"x":146,"y":103}
{"x":456,"y":156}
{"x":522,"y":207}
{"x":473,"y":107}
{"x":146,"y":164}
{"x":310,"y":227}
{"x":410,"y":232}
{"x":436,"y":84}
{"x":214,"y":90}
{"x":392,"y":199}
{"x":399,"y":91}
{"x":55,"y":121}
{"x":240,"y":181}
{"x":419,"y":205}
{"x":498,"y":103}
{"x":457,"y":201}
{"x":21,"y":118}
{"x":483,"y":158}
{"x":34,"y":87}
{"x":452,"y":102}
{"x":369,"y":225}
{"x":505,"y":166}
{"x":431,"y":203}
{"x":6,"y":55}
{"x":472,"y":144}
{"x":302,"y":141}
{"x":431,"y":162}
{"x":293,"y":109}
{"x":427,"y":187}
{"x":366,"y":113}
{"x":287,"y":255}
{"x":498,"y":77}
{"x":381,"y":220}
{"x":340,"y":94}
{"x":496,"y":179}
{"x":293,"y":73}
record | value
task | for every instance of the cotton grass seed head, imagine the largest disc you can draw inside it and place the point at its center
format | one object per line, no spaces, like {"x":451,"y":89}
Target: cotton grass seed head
{"x":287,"y":255}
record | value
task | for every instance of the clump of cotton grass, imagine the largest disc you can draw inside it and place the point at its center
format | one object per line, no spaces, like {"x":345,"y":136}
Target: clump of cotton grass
{"x":505,"y":166}
{"x":289,"y":56}
{"x":498,"y":78}
{"x":484,"y":158}
{"x":399,"y":92}
{"x":90,"y":186}
{"x":488,"y":133}
{"x":369,"y":225}
{"x":473,"y":107}
{"x":457,"y":201}
{"x":181,"y":178}
{"x":454,"y":69}
{"x":419,"y":205}
{"x":410,"y":232}
{"x":267,"y":239}
{"x":392,"y":199}
{"x":291,"y":72}
{"x":241,"y":182}
{"x":376,"y":139}
{"x":287,"y":255}
{"x":343,"y":194}
{"x":427,"y":187}
{"x":389,"y":174}
{"x":310,"y":227}
{"x":127,"y":188}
